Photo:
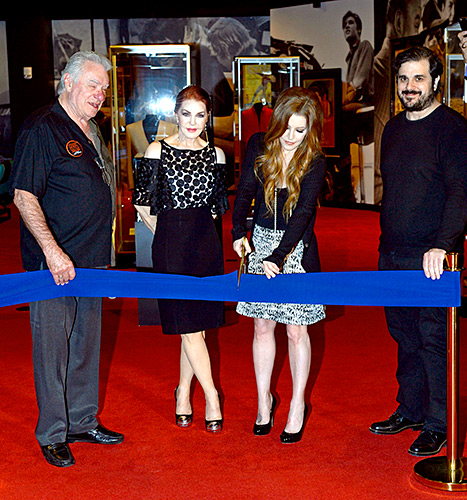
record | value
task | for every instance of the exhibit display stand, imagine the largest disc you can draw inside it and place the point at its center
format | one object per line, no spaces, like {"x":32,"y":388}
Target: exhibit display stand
{"x":145,"y":82}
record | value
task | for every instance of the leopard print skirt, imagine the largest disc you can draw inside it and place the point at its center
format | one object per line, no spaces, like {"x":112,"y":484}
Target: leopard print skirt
{"x":265,"y":241}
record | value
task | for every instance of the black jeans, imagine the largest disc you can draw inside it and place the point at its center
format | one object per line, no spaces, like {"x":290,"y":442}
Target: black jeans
{"x":421,"y":335}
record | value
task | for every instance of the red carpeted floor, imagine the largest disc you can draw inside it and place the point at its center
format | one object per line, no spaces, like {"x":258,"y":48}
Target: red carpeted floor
{"x":351,"y":384}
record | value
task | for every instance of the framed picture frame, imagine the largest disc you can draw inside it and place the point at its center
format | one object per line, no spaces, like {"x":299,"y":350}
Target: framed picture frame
{"x":327,"y":83}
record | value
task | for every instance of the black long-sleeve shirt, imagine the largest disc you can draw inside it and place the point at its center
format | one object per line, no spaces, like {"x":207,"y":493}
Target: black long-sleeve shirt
{"x":424,"y":171}
{"x":301,"y":223}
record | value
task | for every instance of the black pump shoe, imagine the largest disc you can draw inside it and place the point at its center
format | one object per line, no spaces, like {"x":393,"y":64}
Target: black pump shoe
{"x":264,"y":429}
{"x":294,"y":437}
{"x":214,"y":425}
{"x":182,"y":420}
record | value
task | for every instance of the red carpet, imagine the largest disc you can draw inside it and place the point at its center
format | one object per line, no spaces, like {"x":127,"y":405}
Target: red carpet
{"x":351,"y":384}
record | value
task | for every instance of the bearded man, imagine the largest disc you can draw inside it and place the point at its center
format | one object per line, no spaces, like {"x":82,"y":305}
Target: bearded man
{"x":423,"y":216}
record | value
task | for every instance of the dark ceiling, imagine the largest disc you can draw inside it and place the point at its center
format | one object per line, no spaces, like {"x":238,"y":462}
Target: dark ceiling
{"x":152,"y":9}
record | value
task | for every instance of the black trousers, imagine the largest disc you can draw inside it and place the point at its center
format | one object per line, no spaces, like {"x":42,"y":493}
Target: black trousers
{"x":421,"y":335}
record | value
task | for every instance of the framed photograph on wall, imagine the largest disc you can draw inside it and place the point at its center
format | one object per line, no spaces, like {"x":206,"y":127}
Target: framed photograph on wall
{"x":327,"y":83}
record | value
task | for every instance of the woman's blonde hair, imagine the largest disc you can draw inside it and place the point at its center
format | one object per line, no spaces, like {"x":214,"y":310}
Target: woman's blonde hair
{"x":292,"y":101}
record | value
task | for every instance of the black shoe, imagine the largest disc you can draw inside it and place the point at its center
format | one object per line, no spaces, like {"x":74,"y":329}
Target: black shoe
{"x":182,"y":420}
{"x":99,"y":435}
{"x":263,"y":429}
{"x":394,"y":424}
{"x":294,"y":437}
{"x":214,"y":425}
{"x":58,"y":454}
{"x":428,"y":443}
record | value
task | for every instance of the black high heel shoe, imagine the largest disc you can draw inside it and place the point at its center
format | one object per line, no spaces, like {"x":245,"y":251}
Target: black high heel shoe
{"x":264,"y":429}
{"x":294,"y":437}
{"x":184,"y":420}
{"x":214,"y":425}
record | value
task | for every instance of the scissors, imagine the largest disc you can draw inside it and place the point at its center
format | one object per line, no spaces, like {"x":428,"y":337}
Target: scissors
{"x":242,"y":266}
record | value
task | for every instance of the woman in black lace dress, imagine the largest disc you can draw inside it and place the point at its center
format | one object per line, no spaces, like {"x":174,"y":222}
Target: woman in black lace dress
{"x":179,"y":190}
{"x":283,"y":172}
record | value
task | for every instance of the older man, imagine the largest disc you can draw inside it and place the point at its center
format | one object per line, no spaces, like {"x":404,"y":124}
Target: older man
{"x":63,"y":184}
{"x":423,"y":216}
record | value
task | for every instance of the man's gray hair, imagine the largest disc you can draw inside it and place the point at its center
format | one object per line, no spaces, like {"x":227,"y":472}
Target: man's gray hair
{"x":75,"y":65}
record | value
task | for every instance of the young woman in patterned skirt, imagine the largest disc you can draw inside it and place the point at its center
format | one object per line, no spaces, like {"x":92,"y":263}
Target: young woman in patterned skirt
{"x":283,"y":172}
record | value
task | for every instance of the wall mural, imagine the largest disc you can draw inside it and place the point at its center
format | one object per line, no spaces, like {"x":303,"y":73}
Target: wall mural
{"x":6,"y":148}
{"x":345,"y":49}
{"x":218,"y":41}
{"x":374,"y":32}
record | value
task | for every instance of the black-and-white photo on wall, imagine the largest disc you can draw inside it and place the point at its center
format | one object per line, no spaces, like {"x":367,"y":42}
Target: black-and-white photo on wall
{"x":338,"y":35}
{"x":6,"y":147}
{"x":218,"y":40}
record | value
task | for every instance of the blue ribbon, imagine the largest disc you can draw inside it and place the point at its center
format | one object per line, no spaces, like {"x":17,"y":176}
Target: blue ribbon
{"x":362,"y":288}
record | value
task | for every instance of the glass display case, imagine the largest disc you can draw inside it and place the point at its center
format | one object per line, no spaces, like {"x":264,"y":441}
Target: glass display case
{"x":257,"y":82}
{"x":145,"y":82}
{"x":455,"y":94}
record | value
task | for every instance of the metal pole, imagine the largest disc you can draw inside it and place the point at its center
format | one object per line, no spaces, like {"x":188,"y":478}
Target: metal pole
{"x":447,"y":473}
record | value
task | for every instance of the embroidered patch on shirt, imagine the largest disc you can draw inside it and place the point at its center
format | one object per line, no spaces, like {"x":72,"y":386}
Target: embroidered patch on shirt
{"x":74,"y":148}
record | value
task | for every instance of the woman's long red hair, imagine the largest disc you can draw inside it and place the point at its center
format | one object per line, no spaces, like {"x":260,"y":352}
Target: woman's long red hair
{"x":292,"y":101}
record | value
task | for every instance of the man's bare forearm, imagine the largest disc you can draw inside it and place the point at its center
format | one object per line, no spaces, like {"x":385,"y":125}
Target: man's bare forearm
{"x":34,"y":219}
{"x":58,"y":262}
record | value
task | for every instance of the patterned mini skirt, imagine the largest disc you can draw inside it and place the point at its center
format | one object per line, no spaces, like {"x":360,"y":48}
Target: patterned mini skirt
{"x":265,"y":241}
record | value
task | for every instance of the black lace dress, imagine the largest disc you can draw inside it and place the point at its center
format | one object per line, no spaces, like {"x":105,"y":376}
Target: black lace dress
{"x":185,"y":188}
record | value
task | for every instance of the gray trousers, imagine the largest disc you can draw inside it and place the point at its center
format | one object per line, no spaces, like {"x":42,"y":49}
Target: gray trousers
{"x":66,"y":345}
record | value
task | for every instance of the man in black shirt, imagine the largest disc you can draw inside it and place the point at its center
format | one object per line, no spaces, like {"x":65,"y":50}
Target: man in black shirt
{"x":64,"y":188}
{"x":423,"y":216}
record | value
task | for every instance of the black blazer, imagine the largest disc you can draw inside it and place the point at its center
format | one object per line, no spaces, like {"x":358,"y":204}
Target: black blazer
{"x":300,"y":225}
